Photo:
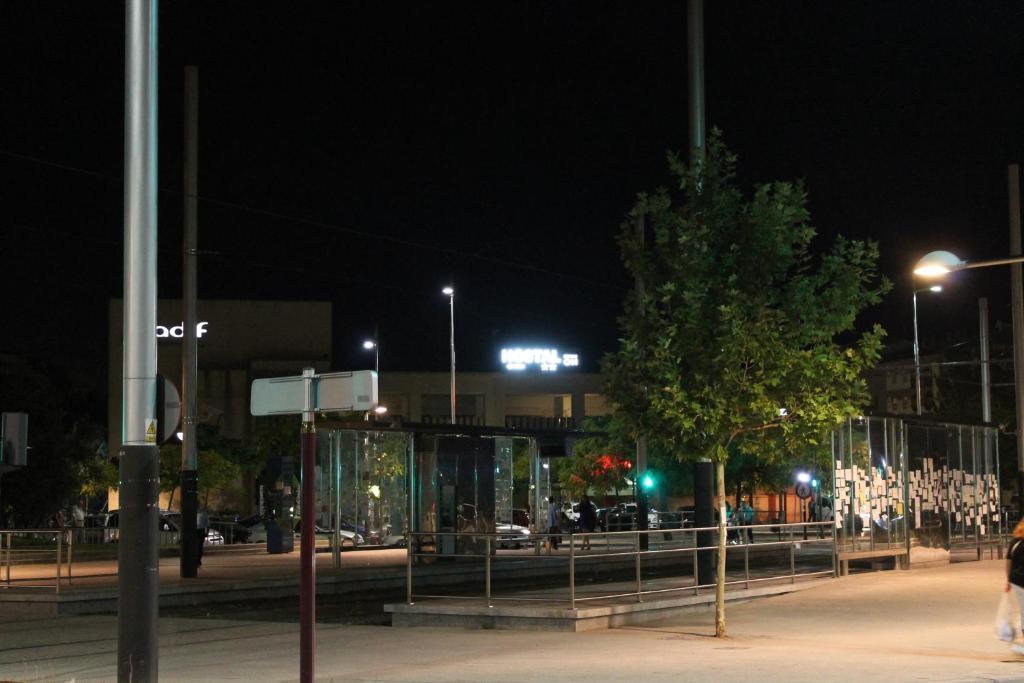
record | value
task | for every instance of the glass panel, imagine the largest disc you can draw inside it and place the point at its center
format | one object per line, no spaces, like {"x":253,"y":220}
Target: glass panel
{"x":503,"y":477}
{"x":860,"y":491}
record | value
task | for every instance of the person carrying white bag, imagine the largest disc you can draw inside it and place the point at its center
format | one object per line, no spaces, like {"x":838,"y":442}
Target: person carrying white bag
{"x":1008,"y":616}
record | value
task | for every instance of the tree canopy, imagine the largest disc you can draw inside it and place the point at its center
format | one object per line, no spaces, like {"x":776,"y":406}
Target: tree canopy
{"x":732,"y":343}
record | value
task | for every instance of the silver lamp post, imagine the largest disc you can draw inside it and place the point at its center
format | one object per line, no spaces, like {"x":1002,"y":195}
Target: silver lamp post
{"x":938,"y":264}
{"x":917,"y":347}
{"x":450,"y":293}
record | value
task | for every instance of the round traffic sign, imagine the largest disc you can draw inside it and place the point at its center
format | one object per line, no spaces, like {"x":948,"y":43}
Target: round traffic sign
{"x":803,"y":490}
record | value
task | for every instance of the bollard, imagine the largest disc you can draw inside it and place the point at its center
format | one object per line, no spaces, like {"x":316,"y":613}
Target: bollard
{"x":572,"y":576}
{"x":639,"y":581}
{"x":487,"y":569}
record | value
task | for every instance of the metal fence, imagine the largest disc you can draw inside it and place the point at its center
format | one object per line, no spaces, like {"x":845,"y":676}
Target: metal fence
{"x":36,"y":547}
{"x":631,"y":552}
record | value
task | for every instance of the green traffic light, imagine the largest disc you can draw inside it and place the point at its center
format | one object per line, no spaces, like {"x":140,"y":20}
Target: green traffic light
{"x":814,"y":483}
{"x":647,"y":482}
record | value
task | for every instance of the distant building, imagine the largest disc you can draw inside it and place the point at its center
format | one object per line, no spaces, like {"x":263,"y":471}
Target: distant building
{"x":538,"y":400}
{"x":240,"y":340}
{"x":892,"y":387}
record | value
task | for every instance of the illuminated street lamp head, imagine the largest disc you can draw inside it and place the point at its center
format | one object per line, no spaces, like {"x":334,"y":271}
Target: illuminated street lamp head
{"x":369,"y":344}
{"x":803,"y":477}
{"x":448,"y":291}
{"x":935,"y":288}
{"x":937,"y":264}
{"x":380,"y":410}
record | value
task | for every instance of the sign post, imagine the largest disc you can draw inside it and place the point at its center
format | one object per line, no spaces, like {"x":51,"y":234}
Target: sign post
{"x":306,"y":395}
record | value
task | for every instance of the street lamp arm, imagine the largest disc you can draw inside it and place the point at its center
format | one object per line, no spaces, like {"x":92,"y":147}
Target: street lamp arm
{"x":994,"y":262}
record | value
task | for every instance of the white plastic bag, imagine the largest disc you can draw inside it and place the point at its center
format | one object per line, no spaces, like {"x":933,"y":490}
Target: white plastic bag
{"x":1007,"y":618}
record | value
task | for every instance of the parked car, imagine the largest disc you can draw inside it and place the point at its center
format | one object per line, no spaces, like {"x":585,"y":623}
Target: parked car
{"x":170,"y":529}
{"x":349,"y":539}
{"x":512,"y":535}
{"x":213,"y":536}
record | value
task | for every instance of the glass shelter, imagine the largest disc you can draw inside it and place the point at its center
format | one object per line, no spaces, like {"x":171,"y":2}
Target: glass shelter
{"x":930,"y":488}
{"x":377,"y":484}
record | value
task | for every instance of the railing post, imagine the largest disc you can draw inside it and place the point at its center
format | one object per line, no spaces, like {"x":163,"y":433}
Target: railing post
{"x":746,"y":565}
{"x":639,"y":582}
{"x":572,"y":574}
{"x":408,"y":568}
{"x":71,"y":549}
{"x":60,"y":559}
{"x":10,"y":538}
{"x":696,"y":580}
{"x":487,"y":569}
{"x":792,"y":561}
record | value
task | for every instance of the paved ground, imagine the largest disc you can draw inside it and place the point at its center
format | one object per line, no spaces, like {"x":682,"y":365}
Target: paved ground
{"x":922,"y":625}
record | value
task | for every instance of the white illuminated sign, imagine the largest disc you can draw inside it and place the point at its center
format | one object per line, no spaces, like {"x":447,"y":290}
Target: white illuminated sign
{"x":178,"y":331}
{"x":548,"y":360}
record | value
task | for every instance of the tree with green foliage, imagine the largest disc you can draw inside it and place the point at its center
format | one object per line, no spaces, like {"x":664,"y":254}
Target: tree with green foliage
{"x":731,"y":345}
{"x":65,"y":437}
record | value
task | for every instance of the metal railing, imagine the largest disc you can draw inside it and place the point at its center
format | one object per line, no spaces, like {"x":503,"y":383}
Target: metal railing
{"x":629,"y":554}
{"x":59,"y":542}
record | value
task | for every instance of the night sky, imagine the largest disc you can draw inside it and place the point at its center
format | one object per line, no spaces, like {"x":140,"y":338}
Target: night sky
{"x":370,"y":153}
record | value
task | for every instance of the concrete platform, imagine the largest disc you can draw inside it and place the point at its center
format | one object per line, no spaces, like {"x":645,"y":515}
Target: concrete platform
{"x":587,"y":616}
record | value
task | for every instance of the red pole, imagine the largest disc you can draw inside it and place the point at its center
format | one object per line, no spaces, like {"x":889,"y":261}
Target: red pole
{"x":307,"y":603}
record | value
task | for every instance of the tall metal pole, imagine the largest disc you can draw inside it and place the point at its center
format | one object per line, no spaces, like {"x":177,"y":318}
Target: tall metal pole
{"x":917,"y":359}
{"x":451,"y":306}
{"x":641,"y":443}
{"x":983,"y":352}
{"x":986,"y":381}
{"x":307,"y":555}
{"x":189,"y":351}
{"x":703,"y":472}
{"x":695,"y":80}
{"x":138,"y":560}
{"x":1016,"y":284}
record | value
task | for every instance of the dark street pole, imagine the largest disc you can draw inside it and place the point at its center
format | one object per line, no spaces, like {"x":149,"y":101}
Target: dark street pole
{"x":137,"y":555}
{"x":703,"y":470}
{"x":1017,"y":293}
{"x":307,"y":556}
{"x":189,"y":351}
{"x":642,"y":503}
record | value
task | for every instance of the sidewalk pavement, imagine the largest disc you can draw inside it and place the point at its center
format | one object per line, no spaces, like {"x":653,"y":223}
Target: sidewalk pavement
{"x":920,"y":625}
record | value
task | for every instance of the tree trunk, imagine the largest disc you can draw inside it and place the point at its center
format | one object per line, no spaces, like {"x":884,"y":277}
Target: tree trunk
{"x":170,"y":500}
{"x":720,"y":574}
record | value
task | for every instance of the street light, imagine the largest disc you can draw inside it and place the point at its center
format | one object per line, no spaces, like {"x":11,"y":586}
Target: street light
{"x":449,"y":292}
{"x":371,"y":344}
{"x":917,"y":347}
{"x":938,"y":264}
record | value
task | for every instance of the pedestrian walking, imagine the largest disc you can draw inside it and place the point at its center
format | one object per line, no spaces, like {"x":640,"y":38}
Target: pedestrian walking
{"x":1015,"y":574}
{"x":588,"y":519}
{"x":731,"y":534}
{"x":78,"y":521}
{"x":554,"y":512}
{"x":747,"y":519}
{"x":202,"y":527}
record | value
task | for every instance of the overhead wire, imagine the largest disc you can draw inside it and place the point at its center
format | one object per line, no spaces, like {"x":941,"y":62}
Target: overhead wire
{"x":334,"y":227}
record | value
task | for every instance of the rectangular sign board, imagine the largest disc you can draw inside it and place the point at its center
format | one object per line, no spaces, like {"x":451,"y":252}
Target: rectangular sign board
{"x":332,"y":393}
{"x":278,"y":396}
{"x":14,"y":439}
{"x":340,"y":392}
